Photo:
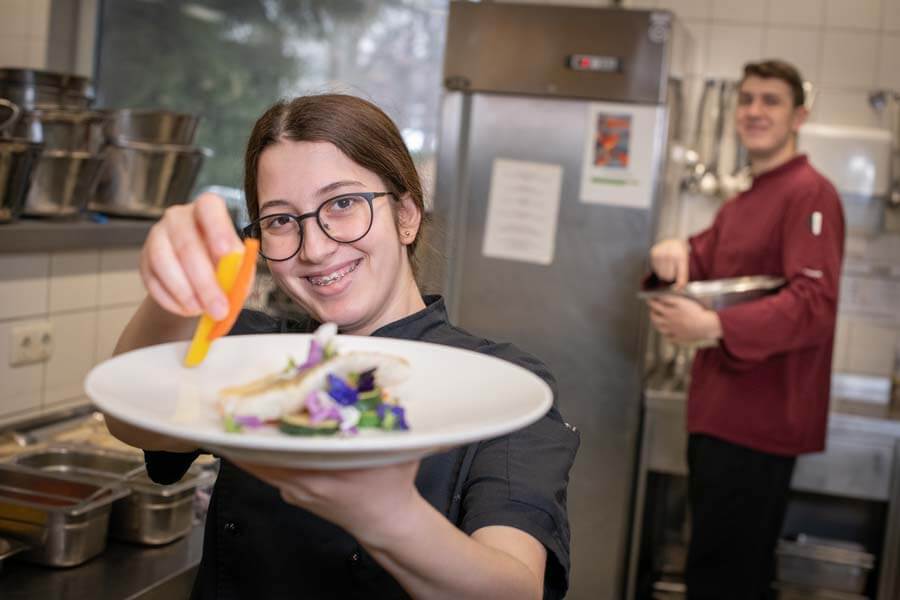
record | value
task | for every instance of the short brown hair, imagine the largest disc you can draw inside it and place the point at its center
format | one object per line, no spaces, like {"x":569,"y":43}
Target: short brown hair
{"x":358,"y":128}
{"x":778,"y":69}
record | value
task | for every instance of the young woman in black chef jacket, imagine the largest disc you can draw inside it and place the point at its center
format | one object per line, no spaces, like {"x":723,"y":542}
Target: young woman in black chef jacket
{"x":486,"y":520}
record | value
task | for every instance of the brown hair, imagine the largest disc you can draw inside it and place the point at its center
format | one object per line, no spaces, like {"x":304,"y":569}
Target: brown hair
{"x":358,"y":128}
{"x":778,"y":69}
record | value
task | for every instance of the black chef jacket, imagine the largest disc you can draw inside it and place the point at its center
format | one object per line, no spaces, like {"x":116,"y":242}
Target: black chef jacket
{"x":257,"y":546}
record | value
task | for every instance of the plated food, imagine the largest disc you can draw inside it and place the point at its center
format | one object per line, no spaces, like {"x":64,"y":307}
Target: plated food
{"x":329,"y":393}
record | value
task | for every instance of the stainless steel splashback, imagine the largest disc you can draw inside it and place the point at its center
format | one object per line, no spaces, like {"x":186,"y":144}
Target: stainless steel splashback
{"x":607,"y":54}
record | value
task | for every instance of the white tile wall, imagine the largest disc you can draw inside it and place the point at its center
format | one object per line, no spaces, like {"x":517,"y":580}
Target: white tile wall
{"x":20,"y":389}
{"x":23,"y":285}
{"x":856,"y":14}
{"x":24,"y":33}
{"x":799,"y":47}
{"x":110,"y":324}
{"x":74,"y":347}
{"x":120,"y":282}
{"x":849,"y":59}
{"x":796,"y":13}
{"x":740,"y":11}
{"x":730,"y":46}
{"x":74,"y":280}
{"x":845,"y":47}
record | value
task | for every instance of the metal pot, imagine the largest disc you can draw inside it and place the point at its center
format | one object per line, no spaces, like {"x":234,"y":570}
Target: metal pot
{"x":63,"y":183}
{"x":17,"y":161}
{"x":153,"y":126}
{"x":142,"y":180}
{"x":9,"y":114}
{"x":70,"y":130}
{"x":31,"y":88}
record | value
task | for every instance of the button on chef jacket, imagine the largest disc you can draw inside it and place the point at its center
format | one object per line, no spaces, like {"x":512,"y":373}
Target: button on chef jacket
{"x":257,"y":546}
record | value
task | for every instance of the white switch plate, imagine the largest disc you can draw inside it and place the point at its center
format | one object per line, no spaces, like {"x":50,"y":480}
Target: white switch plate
{"x":30,"y":343}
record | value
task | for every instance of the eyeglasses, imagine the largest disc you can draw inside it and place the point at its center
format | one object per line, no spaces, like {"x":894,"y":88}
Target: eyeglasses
{"x":345,"y":219}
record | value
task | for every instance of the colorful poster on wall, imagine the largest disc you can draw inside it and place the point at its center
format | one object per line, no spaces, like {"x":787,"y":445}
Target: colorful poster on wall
{"x":620,"y":154}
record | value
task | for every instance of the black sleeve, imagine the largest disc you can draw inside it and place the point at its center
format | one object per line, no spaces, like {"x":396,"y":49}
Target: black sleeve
{"x":168,"y":467}
{"x":519,"y":480}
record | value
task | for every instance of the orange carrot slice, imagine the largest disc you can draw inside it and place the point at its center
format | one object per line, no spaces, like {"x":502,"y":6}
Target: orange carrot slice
{"x":239,"y":291}
{"x":226,"y":274}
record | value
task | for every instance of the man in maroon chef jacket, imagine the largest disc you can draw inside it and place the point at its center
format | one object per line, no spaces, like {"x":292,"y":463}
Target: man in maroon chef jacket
{"x":759,"y":396}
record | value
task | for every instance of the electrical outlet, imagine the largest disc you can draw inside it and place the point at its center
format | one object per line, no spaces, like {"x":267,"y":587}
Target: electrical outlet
{"x":30,"y":343}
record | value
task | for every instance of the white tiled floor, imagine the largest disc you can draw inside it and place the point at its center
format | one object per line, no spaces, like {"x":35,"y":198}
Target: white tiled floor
{"x":73,"y":355}
{"x":23,"y":285}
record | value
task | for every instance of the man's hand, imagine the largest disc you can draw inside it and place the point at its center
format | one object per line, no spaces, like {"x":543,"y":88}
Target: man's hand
{"x":684,"y":321}
{"x":669,"y":260}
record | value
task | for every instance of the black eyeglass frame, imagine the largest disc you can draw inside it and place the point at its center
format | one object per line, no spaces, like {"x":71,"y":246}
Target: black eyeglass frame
{"x":369,"y":196}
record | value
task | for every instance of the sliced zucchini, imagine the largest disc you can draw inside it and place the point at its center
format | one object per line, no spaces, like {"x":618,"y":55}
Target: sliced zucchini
{"x":299,"y":424}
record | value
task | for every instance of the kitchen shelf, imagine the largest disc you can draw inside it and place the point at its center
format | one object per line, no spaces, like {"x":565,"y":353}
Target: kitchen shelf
{"x":27,"y":235}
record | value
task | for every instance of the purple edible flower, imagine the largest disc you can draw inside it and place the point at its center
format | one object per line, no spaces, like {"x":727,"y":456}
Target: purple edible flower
{"x":341,"y":391}
{"x":316,"y":352}
{"x":321,"y":408}
{"x":392,"y":417}
{"x":366,"y":381}
{"x":248,"y":421}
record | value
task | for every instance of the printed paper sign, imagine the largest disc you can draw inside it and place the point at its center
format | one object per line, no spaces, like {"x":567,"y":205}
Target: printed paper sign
{"x":523,"y":207}
{"x":619,"y":154}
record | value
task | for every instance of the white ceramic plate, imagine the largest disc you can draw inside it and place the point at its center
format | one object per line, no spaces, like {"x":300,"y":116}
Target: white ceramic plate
{"x":453,"y":397}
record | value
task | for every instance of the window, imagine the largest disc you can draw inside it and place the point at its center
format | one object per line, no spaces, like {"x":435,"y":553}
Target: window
{"x":228,"y":60}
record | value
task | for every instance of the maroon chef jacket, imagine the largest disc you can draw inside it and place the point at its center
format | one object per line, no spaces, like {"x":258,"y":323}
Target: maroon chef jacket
{"x":767,"y":384}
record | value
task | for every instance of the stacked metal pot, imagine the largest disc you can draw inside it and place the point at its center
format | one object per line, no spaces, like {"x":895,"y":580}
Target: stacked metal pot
{"x":58,"y":156}
{"x":151,"y":162}
{"x":52,"y":146}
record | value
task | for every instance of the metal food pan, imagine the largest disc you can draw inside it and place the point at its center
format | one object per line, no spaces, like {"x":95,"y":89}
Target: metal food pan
{"x":152,"y":514}
{"x":824,"y":564}
{"x":64,"y":521}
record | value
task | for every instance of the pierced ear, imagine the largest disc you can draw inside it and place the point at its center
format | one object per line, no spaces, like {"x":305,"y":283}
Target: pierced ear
{"x":409,"y":218}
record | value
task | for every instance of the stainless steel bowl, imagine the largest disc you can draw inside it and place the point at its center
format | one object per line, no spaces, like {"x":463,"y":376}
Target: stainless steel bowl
{"x":142,"y":180}
{"x":717,"y":294}
{"x":62,"y":184}
{"x":70,"y":130}
{"x":17,"y":162}
{"x":32,"y":88}
{"x":153,"y":126}
{"x":152,"y":514}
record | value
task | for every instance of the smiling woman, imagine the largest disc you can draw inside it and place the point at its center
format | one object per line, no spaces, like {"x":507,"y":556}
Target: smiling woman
{"x":337,"y":205}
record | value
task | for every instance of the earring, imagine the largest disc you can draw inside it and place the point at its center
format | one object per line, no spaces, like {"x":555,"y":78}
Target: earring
{"x":406,"y":233}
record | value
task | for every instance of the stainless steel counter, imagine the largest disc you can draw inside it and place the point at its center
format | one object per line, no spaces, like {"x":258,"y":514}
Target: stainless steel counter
{"x":122,"y":572}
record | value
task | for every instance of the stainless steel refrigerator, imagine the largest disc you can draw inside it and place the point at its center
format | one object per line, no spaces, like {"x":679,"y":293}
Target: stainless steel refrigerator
{"x":551,"y":162}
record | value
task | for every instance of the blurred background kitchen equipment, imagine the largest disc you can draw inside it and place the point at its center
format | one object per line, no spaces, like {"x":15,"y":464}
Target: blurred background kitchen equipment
{"x":857,"y":161}
{"x":64,"y":521}
{"x":824,"y":563}
{"x":32,"y":89}
{"x":17,"y":160}
{"x":151,"y":514}
{"x":717,"y":294}
{"x":151,"y":163}
{"x":141,"y":179}
{"x":153,"y":126}
{"x":62,"y":183}
{"x":9,"y":114}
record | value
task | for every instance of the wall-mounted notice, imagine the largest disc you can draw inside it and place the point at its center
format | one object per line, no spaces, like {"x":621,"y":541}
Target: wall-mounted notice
{"x":523,"y":207}
{"x":619,"y":152}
